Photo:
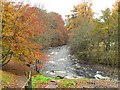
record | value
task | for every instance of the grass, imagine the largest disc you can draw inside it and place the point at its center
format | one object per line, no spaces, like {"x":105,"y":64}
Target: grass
{"x":69,"y":83}
{"x":75,"y":83}
{"x":6,"y":78}
{"x":40,"y":79}
{"x":86,"y":83}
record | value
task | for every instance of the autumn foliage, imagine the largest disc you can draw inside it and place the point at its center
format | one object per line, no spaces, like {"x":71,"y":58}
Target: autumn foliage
{"x":23,"y":27}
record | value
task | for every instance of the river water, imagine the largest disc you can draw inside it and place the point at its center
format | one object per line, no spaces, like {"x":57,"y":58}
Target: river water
{"x":62,"y":64}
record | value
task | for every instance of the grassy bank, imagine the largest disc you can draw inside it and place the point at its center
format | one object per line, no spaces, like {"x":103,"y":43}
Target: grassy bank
{"x":6,"y":79}
{"x":10,"y":80}
{"x":40,"y":81}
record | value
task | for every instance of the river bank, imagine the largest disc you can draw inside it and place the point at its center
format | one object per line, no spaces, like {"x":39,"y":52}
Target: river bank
{"x":61,"y":63}
{"x":40,"y":81}
{"x":62,"y":70}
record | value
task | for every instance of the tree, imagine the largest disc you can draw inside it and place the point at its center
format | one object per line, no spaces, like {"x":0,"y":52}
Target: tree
{"x":94,"y":40}
{"x":80,"y":26}
{"x":19,"y":25}
{"x":54,"y":33}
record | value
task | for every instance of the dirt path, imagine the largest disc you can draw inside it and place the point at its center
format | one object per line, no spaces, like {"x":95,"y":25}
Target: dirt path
{"x":13,"y":74}
{"x":52,"y":84}
{"x":81,"y":83}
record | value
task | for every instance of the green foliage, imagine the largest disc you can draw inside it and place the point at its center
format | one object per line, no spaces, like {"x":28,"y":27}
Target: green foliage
{"x":69,"y":83}
{"x":40,"y":78}
{"x":94,"y":40}
{"x":80,"y":39}
{"x":58,"y":78}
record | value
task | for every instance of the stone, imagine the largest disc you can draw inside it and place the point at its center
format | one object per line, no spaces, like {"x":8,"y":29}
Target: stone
{"x":53,"y":81}
{"x":61,"y":59}
{"x":69,"y":77}
{"x":98,"y":76}
{"x":60,"y":77}
{"x":53,"y":62}
{"x":52,"y":53}
{"x":51,"y":86}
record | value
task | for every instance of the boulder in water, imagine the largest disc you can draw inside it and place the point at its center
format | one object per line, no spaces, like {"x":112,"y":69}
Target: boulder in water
{"x":52,"y":53}
{"x":98,"y":76}
{"x":53,"y":62}
{"x":69,"y":77}
{"x":60,"y":77}
{"x":61,"y":59}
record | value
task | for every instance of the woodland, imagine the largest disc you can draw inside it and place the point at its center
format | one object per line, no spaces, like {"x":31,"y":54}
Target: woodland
{"x":28,"y":31}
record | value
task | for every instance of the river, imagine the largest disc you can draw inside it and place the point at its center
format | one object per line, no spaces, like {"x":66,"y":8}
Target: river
{"x":61,"y":63}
